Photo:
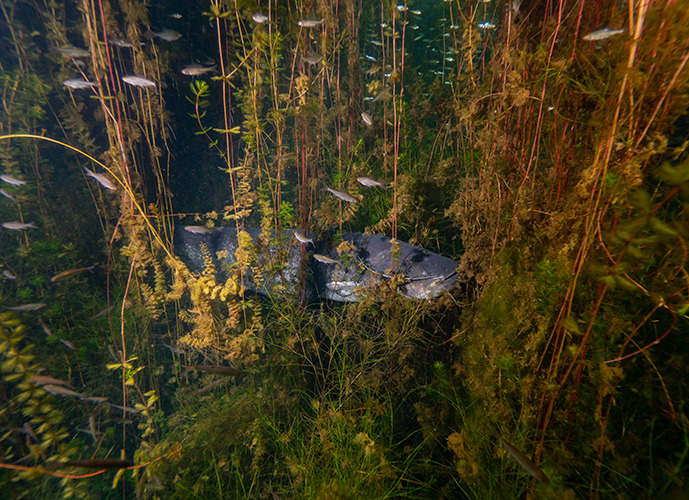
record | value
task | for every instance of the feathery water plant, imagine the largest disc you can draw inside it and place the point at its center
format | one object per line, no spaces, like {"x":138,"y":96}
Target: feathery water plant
{"x":545,"y":149}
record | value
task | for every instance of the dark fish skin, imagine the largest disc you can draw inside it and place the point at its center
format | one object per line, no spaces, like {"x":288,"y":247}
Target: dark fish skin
{"x":96,"y":463}
{"x":217,"y":370}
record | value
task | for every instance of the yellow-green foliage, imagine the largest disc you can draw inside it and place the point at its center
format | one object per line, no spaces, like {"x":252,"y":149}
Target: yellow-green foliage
{"x":24,"y":404}
{"x":537,"y":144}
{"x":206,"y":294}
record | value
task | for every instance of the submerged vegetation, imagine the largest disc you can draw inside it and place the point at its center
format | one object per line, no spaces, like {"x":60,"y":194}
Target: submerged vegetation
{"x":543,"y":152}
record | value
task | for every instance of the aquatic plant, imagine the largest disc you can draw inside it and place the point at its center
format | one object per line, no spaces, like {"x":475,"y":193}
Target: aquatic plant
{"x":545,"y":158}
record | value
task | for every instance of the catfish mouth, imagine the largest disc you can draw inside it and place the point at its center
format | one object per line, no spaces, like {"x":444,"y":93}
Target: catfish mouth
{"x":428,"y":287}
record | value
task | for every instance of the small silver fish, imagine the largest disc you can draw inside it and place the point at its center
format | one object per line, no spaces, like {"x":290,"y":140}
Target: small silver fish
{"x":11,"y":179}
{"x":168,"y":35}
{"x":88,"y":431}
{"x":70,"y":272}
{"x":68,"y":343}
{"x":197,"y":69}
{"x":102,"y":180}
{"x":8,"y":195}
{"x":48,"y":332}
{"x":325,"y":259}
{"x":302,"y":238}
{"x":259,"y":17}
{"x":382,"y":94}
{"x":313,"y":58}
{"x":175,"y":350}
{"x":341,"y":195}
{"x":486,"y":26}
{"x":287,"y":156}
{"x":138,"y":81}
{"x":373,"y":70}
{"x":62,"y":391}
{"x":26,"y":307}
{"x":368,"y":182}
{"x":29,"y":430}
{"x":95,"y":399}
{"x":527,"y":464}
{"x":8,"y":274}
{"x":310,"y":23}
{"x":19,"y":226}
{"x":175,"y":15}
{"x":128,"y":409}
{"x":45,"y":380}
{"x":208,"y":387}
{"x":115,"y":353}
{"x":101,"y":313}
{"x":121,"y":42}
{"x":202,"y":229}
{"x":602,"y":34}
{"x":79,"y":84}
{"x":92,"y":428}
{"x":368,"y":119}
{"x":73,"y":51}
{"x":216,"y":370}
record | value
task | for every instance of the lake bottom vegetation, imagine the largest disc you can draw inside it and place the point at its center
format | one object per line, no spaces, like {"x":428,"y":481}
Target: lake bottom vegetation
{"x":541,"y":145}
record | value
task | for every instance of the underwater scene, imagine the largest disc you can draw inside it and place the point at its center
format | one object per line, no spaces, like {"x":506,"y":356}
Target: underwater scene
{"x":356,"y":249}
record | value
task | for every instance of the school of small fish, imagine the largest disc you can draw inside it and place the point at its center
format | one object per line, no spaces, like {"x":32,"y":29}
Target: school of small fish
{"x":63,"y":388}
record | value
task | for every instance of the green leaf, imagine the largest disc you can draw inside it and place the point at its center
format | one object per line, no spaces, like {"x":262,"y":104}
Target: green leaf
{"x":117,"y":478}
{"x":673,"y":175}
{"x":570,"y":324}
{"x":662,"y":227}
{"x":626,"y":283}
{"x":628,"y":229}
{"x":233,"y":130}
{"x":641,"y":200}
